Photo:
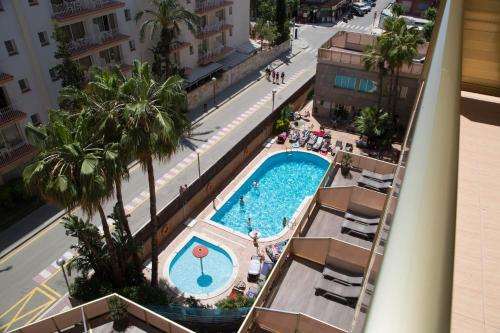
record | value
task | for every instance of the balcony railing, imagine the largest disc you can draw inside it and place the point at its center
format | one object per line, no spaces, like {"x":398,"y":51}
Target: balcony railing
{"x":356,"y":60}
{"x":4,"y":78}
{"x":10,"y":156}
{"x":212,"y":29}
{"x":208,"y":56}
{"x":203,"y":6}
{"x":80,"y":46}
{"x":67,"y":9}
{"x":9,"y":115}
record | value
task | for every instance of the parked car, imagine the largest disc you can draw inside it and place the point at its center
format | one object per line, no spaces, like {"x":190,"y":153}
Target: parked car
{"x":361,"y":6}
{"x":371,"y":3}
{"x":357,"y":11}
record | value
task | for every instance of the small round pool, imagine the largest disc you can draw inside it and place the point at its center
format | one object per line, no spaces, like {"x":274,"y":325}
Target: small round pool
{"x":201,"y":278}
{"x":284,"y":181}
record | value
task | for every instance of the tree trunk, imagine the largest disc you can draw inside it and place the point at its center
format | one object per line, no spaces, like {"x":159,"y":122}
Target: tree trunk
{"x":380,"y":84}
{"x":117,"y":274}
{"x":123,"y":219}
{"x":166,"y":38}
{"x":396,"y":93}
{"x":154,"y":222}
{"x":391,"y":87}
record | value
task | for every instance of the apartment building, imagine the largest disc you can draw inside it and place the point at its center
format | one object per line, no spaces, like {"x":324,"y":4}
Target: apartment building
{"x":322,"y":11}
{"x":103,"y":33}
{"x":343,"y":86}
{"x":417,"y":8}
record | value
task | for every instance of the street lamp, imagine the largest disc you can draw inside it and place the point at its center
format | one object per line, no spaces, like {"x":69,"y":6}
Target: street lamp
{"x":60,"y":262}
{"x":199,"y":168}
{"x":274,"y":94}
{"x":213,"y":81}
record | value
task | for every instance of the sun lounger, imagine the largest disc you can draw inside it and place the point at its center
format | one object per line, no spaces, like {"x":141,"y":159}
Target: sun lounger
{"x":293,"y":137}
{"x":349,"y":148}
{"x":252,"y":292}
{"x":338,"y":145}
{"x":266,"y":268}
{"x":365,"y":220}
{"x":373,"y":184}
{"x":318,"y":144}
{"x":274,"y":251}
{"x":365,"y":231}
{"x":312,"y":139}
{"x":281,"y":138}
{"x":339,"y":292}
{"x":254,"y":268}
{"x":378,"y":176}
{"x":303,"y":138}
{"x":331,"y":274}
{"x":269,"y":142}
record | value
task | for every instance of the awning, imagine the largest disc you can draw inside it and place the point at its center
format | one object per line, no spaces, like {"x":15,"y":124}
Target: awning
{"x":202,"y":72}
{"x":248,"y":47}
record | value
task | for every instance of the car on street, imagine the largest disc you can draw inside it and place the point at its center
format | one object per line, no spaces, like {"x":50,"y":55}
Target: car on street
{"x":361,"y":7}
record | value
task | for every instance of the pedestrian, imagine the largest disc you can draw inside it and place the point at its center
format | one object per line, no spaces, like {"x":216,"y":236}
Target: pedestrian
{"x":268,"y":73}
{"x":273,"y":75}
{"x":181,"y":190}
{"x":282,"y":77}
{"x":185,"y":187}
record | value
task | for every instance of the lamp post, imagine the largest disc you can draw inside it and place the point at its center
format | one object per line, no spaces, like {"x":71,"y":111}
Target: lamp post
{"x":60,"y":262}
{"x":213,"y":81}
{"x":199,"y":168}
{"x":274,"y":94}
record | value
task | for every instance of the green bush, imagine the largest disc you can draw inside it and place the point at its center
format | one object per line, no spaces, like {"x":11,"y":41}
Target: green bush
{"x":281,"y":125}
{"x":89,"y":289}
{"x":230,"y":303}
{"x":145,"y":294}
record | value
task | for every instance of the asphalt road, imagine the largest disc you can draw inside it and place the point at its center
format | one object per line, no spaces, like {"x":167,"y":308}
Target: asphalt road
{"x":23,"y":299}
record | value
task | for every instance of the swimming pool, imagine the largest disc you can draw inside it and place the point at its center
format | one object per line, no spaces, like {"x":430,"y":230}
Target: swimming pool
{"x":185,"y":271}
{"x":284,"y":180}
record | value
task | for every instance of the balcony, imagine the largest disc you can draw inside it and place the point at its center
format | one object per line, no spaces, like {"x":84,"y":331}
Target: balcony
{"x":10,"y":158}
{"x":205,"y":6}
{"x":347,"y":58}
{"x":86,"y":45}
{"x":9,"y":115}
{"x":176,"y":46}
{"x":4,"y":78}
{"x":213,"y":29}
{"x":216,"y":54}
{"x":68,"y":10}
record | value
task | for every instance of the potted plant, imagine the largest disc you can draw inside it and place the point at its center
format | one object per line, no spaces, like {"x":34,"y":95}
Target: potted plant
{"x":345,"y":164}
{"x":118,"y":313}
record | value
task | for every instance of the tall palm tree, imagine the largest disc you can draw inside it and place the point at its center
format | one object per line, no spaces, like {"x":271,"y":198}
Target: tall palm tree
{"x":154,"y":129}
{"x":68,"y":171}
{"x":400,"y":46}
{"x":165,"y":17}
{"x":373,"y":58}
{"x":104,"y":89}
{"x":377,"y":125}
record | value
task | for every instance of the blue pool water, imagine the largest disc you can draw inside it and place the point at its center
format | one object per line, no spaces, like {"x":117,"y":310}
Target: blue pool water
{"x":185,"y":269}
{"x":285,"y":179}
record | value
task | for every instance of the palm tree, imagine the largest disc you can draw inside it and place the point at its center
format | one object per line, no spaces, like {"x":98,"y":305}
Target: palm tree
{"x":154,"y":129}
{"x":166,"y":17}
{"x":377,"y":125}
{"x":399,"y":44}
{"x":373,"y":58}
{"x":103,"y":89}
{"x":68,"y":171}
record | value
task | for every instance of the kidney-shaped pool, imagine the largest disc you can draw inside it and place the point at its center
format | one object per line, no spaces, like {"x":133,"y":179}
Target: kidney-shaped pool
{"x":284,"y":181}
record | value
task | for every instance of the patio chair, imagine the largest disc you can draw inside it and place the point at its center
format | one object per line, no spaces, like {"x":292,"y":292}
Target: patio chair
{"x":339,"y":292}
{"x":373,"y":184}
{"x":349,"y":148}
{"x":254,"y":268}
{"x":318,"y":144}
{"x":378,"y":176}
{"x":329,"y":273}
{"x":356,"y":229}
{"x":365,"y":220}
{"x":252,"y":292}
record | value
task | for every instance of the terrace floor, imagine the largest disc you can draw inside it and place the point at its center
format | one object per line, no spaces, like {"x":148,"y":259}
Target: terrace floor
{"x":351,"y":179}
{"x":476,"y":287}
{"x":301,"y":298}
{"x":327,"y":223}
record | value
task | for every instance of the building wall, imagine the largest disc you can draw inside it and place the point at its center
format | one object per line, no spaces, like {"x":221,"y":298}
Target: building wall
{"x":326,"y":95}
{"x":417,"y":8}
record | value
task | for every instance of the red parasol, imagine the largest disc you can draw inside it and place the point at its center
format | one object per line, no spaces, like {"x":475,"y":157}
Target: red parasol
{"x":200,"y":251}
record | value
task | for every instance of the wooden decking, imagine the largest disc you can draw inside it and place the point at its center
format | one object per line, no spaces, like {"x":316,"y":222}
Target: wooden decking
{"x":296,"y":294}
{"x":327,"y":223}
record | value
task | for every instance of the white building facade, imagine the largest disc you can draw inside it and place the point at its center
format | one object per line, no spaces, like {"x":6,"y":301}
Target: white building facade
{"x":103,"y":33}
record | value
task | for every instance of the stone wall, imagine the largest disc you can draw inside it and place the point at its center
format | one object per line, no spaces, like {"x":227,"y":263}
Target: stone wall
{"x":259,"y":60}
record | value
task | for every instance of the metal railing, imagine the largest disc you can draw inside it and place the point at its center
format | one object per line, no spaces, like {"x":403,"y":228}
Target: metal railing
{"x":74,"y":7}
{"x":212,"y":28}
{"x":93,"y":40}
{"x":203,"y":6}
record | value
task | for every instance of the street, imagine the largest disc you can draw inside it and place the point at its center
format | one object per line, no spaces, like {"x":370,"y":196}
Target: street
{"x":30,"y":280}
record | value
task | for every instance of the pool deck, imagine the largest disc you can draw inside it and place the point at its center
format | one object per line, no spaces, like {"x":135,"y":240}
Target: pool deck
{"x":242,"y":248}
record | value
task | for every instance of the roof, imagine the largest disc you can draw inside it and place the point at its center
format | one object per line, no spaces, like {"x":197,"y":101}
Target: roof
{"x":200,"y":73}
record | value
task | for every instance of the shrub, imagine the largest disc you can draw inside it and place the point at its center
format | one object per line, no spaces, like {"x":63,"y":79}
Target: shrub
{"x":230,"y":303}
{"x":281,"y":125}
{"x":145,"y":294}
{"x":89,"y":289}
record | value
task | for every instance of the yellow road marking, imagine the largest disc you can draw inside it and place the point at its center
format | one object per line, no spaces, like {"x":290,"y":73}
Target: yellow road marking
{"x":50,"y":289}
{"x":28,"y":294}
{"x":39,"y":309}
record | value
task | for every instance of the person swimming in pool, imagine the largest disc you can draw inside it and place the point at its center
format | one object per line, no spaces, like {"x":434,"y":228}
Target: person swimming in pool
{"x":255,"y":184}
{"x":249,"y":223}
{"x":242,"y":201}
{"x":284,"y":221}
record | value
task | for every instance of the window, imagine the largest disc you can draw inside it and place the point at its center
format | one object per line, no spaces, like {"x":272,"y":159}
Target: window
{"x":53,"y":74}
{"x":35,"y":119}
{"x":24,"y":85}
{"x":230,"y":31}
{"x":74,"y":31}
{"x":131,"y":45}
{"x":403,"y":91}
{"x":1,"y":6}
{"x":345,"y":82}
{"x":220,"y":15}
{"x":10,"y":45}
{"x":191,"y":50}
{"x":230,"y":10}
{"x":367,"y":86}
{"x":44,"y":38}
{"x":106,"y":22}
{"x":33,"y":2}
{"x":111,"y":56}
{"x":127,"y":14}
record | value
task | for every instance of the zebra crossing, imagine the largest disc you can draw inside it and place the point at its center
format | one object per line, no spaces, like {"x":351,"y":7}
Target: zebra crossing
{"x":353,"y":26}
